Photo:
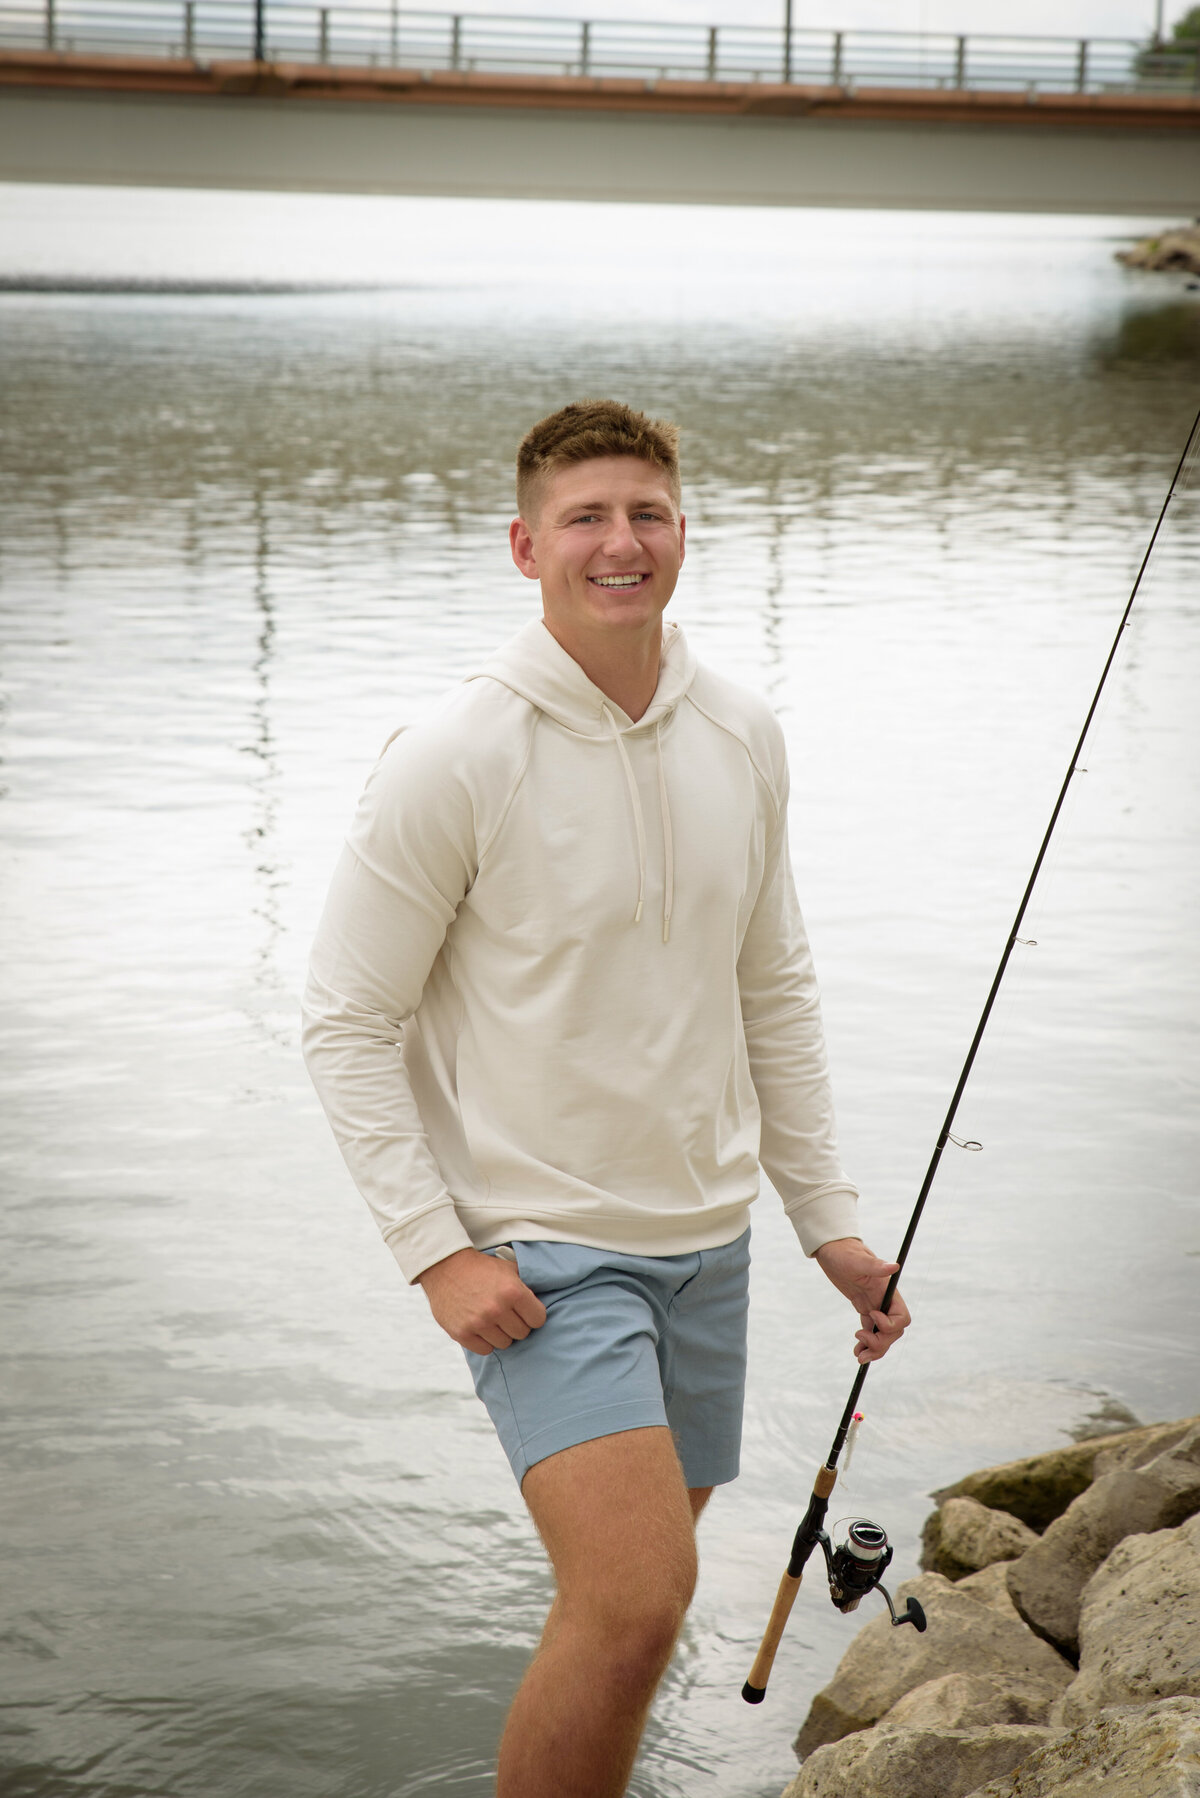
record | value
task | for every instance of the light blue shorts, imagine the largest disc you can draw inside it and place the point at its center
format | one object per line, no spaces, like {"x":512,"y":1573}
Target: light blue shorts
{"x":629,"y":1341}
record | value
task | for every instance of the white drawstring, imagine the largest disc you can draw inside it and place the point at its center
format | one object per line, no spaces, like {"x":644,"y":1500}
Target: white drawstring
{"x":639,"y":824}
{"x":668,"y":845}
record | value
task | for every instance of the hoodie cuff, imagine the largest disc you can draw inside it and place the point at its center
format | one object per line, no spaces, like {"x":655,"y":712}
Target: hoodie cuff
{"x":825,"y":1217}
{"x":428,"y":1238}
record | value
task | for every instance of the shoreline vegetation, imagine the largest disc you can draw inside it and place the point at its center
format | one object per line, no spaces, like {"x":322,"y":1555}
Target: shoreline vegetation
{"x":1062,"y":1658}
{"x":1176,"y":251}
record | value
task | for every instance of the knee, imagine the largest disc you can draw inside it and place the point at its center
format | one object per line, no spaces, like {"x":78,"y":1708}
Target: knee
{"x":639,"y":1625}
{"x":647,"y":1642}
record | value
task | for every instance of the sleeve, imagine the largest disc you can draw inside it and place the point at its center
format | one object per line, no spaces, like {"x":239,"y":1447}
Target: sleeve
{"x":781,"y":1015}
{"x":408,"y":862}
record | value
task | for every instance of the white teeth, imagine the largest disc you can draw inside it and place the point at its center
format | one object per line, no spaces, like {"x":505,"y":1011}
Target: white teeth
{"x":617,"y":580}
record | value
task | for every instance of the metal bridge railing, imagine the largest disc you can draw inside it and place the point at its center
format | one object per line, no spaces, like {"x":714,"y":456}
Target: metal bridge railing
{"x":391,"y":36}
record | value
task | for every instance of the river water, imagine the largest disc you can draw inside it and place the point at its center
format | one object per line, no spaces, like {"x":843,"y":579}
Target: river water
{"x":260,"y":1540}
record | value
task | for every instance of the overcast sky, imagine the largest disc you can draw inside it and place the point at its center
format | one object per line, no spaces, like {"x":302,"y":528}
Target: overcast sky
{"x":1074,"y":18}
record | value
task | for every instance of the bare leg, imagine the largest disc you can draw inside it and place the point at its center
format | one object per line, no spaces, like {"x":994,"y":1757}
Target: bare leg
{"x":619,"y":1526}
{"x":698,"y":1497}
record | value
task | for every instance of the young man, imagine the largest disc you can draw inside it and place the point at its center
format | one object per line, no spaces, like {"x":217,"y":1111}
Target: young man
{"x":561,"y":1006}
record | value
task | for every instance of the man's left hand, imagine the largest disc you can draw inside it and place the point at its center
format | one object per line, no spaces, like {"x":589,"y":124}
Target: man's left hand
{"x":862,"y":1277}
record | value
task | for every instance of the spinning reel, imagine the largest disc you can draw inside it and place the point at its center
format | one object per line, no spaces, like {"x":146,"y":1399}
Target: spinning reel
{"x":856,"y":1567}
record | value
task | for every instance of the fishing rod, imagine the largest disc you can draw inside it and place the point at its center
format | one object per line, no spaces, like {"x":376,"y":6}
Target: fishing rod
{"x":856,"y":1566}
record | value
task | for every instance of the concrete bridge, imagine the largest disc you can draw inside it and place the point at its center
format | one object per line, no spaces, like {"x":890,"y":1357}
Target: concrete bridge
{"x":967,"y":124}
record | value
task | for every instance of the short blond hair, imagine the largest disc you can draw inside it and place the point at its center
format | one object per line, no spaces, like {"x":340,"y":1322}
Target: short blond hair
{"x":588,"y":429}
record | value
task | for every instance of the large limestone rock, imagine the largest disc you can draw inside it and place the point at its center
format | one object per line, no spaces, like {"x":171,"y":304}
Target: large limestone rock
{"x":914,"y":1763}
{"x":990,"y":1587}
{"x":972,"y":1701}
{"x":881,"y":1664}
{"x":1127,"y":1752}
{"x":1139,"y":1631}
{"x":1047,"y":1582}
{"x":964,"y":1536}
{"x":1136,"y":1447}
{"x":1039,"y":1488}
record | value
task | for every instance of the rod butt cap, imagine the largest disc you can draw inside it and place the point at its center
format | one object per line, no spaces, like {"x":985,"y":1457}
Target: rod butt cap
{"x":753,"y":1694}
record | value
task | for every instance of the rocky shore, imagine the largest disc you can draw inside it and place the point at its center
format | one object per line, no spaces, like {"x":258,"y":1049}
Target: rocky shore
{"x":1062,"y":1657}
{"x":1177,"y":251}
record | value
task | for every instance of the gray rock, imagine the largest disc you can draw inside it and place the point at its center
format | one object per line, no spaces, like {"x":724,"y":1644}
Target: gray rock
{"x":1039,"y":1488}
{"x":1150,"y":1751}
{"x":990,"y":1587}
{"x":1139,"y":1629}
{"x":972,"y":1701}
{"x":881,"y":1664}
{"x":914,"y":1763}
{"x":1047,"y":1582}
{"x":964,"y":1536}
{"x":1136,"y":1447}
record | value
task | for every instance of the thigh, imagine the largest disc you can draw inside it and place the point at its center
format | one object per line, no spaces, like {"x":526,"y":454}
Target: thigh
{"x":616,"y":1518}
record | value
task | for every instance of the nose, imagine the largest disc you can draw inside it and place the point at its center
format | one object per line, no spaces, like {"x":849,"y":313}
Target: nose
{"x":620,"y":539}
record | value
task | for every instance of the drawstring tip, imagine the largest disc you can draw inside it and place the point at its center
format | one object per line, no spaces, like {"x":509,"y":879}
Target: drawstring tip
{"x":666,"y":930}
{"x":637,"y":916}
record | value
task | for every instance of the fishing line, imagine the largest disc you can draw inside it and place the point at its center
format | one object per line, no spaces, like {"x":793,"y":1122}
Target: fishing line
{"x":856,"y":1567}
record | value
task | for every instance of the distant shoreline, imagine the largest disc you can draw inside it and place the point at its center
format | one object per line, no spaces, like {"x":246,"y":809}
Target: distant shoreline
{"x":103,"y":284}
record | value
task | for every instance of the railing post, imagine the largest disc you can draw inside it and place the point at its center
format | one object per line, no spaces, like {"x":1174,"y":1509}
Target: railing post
{"x":712,"y":53}
{"x":835,"y":74}
{"x":260,"y":30}
{"x":585,"y":45}
{"x":787,"y":43}
{"x":51,"y":33}
{"x":189,"y":28}
{"x":1081,"y":67}
{"x":323,"y":35}
{"x":960,"y":64}
{"x":456,"y":40}
{"x":394,"y":33}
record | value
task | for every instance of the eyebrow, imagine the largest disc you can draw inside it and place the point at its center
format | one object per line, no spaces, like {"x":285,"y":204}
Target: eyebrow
{"x":599,"y":505}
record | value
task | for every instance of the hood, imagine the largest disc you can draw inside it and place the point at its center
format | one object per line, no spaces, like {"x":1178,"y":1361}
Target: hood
{"x":536,"y":666}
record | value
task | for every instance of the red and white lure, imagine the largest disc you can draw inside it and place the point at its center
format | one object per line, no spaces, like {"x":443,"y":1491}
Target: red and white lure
{"x":856,"y":1423}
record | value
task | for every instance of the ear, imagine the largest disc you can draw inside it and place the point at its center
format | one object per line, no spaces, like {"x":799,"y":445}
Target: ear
{"x":682,"y":536}
{"x":520,"y":540}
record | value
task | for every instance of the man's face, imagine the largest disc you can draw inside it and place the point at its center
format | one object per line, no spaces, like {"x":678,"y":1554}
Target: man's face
{"x":606,"y":545}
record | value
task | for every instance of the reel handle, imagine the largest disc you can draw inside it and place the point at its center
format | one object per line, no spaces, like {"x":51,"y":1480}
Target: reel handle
{"x":912,"y":1613}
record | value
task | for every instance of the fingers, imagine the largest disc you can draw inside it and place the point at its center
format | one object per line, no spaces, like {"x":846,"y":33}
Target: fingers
{"x":529,"y":1308}
{"x":481,"y":1301}
{"x":879,"y":1330}
{"x":526,"y":1314}
{"x":899,"y":1315}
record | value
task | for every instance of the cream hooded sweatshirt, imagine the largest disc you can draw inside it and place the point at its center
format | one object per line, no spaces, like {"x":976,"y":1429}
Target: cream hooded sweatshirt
{"x":561,"y":989}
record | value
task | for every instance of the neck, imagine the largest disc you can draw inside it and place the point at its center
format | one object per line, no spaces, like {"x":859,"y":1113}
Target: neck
{"x":625,"y":668}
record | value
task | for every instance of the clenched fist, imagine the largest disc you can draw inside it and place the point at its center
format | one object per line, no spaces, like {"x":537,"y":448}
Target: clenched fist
{"x":481,"y":1301}
{"x":862,"y":1278}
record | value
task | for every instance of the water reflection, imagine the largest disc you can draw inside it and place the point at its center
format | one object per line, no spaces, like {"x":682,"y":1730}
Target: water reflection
{"x":1166,"y":333}
{"x":262,"y":833}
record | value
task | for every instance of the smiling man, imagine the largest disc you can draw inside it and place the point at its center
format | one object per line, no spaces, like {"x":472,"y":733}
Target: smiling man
{"x":561,"y":1008}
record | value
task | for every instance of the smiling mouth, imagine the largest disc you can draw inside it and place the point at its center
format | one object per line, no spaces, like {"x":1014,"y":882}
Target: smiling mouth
{"x":618,"y":581}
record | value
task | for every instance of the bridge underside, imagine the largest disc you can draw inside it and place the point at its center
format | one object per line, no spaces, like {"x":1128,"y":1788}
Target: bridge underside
{"x":1003,"y":157}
